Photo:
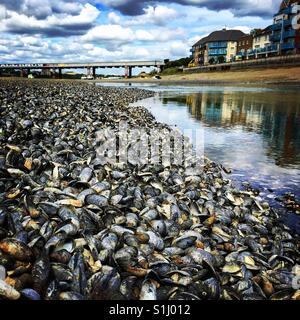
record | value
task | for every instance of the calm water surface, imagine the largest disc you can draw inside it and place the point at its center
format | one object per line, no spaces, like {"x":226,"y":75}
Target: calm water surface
{"x":254,"y":131}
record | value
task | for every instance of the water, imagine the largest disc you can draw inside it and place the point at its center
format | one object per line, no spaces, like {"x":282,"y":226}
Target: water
{"x":253,"y":130}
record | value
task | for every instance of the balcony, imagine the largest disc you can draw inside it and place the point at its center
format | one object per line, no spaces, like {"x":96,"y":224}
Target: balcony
{"x":242,"y":54}
{"x":217,"y":45}
{"x":266,"y":50}
{"x":287,"y":10}
{"x":261,"y":50}
{"x":217,"y":52}
{"x":273,"y":48}
{"x":289,"y":34}
{"x":288,"y":46}
{"x":251,"y":53}
{"x":287,"y":22}
{"x":278,"y":26}
{"x":275,"y":37}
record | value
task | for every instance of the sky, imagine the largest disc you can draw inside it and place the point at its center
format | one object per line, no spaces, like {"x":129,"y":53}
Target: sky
{"x":116,"y":30}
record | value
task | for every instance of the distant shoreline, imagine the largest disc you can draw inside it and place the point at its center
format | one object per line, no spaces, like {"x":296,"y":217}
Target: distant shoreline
{"x":288,"y":76}
{"x":266,"y":76}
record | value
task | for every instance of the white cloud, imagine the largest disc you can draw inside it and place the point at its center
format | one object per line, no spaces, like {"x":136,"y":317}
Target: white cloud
{"x":73,"y":30}
{"x":30,"y":41}
{"x":118,"y":33}
{"x":112,"y":32}
{"x":54,"y":24}
{"x":87,"y":15}
{"x":2,"y":12}
{"x":113,"y":18}
{"x":179,"y":49}
{"x":159,"y":15}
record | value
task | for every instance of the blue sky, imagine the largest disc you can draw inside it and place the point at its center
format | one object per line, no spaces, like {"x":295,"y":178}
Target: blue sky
{"x":92,"y":30}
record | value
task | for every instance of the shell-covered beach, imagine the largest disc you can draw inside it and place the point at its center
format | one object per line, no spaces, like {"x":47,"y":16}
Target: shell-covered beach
{"x":73,"y":228}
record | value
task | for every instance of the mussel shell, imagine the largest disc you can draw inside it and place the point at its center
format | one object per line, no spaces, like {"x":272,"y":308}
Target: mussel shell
{"x":30,"y":294}
{"x":62,"y":256}
{"x":96,"y":200}
{"x":104,"y":285}
{"x":17,"y":249}
{"x":40,"y":273}
{"x":70,"y":296}
{"x":61,"y":272}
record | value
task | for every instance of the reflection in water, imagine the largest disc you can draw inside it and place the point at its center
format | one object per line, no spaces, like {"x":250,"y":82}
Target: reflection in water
{"x":274,"y":115}
{"x":254,"y":131}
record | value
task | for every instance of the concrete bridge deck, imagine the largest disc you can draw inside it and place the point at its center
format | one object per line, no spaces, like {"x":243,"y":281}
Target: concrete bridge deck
{"x":90,"y":67}
{"x":71,"y":65}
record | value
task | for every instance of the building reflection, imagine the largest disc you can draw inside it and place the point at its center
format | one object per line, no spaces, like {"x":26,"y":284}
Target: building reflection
{"x":276,"y":116}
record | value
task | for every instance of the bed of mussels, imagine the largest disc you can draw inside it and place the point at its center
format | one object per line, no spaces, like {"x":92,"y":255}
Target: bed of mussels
{"x":74,"y":229}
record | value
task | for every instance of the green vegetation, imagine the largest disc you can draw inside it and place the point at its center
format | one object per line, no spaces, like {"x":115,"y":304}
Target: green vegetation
{"x":175,"y":66}
{"x":171,"y":71}
{"x":183,"y":62}
{"x":211,"y":60}
{"x":221,"y":59}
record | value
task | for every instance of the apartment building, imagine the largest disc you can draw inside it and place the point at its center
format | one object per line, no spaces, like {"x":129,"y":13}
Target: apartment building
{"x":280,"y":38}
{"x":284,"y":34}
{"x":219,"y":46}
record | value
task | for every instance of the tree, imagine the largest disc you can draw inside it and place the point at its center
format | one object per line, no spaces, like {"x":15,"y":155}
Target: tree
{"x":221,"y":59}
{"x":183,"y":62}
{"x":211,"y":60}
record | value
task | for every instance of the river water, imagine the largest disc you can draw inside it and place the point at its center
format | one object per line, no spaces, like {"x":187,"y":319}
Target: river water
{"x":255,"y":131}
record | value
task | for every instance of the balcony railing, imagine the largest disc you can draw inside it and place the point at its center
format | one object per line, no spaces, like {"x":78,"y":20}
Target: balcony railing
{"x":217,"y":52}
{"x":269,"y":49}
{"x":288,"y":46}
{"x":278,"y":26}
{"x":289,"y":34}
{"x":275,"y":37}
{"x":287,"y":22}
{"x":216,"y":45}
{"x":287,"y":10}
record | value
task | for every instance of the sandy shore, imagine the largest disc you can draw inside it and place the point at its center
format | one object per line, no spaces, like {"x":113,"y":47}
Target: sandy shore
{"x":266,"y":76}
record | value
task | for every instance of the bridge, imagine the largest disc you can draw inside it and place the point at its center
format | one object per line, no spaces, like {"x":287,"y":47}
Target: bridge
{"x":90,"y":67}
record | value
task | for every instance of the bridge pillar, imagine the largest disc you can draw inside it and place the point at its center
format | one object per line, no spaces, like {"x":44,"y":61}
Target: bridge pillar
{"x":159,"y":69}
{"x":94,"y":72}
{"x":21,"y":73}
{"x":28,"y":71}
{"x":128,"y":72}
{"x":60,"y":73}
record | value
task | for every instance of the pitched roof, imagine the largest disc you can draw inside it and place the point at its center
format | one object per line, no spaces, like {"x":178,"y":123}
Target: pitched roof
{"x":221,"y":35}
{"x":267,"y":30}
{"x":288,"y":3}
{"x":246,"y":37}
